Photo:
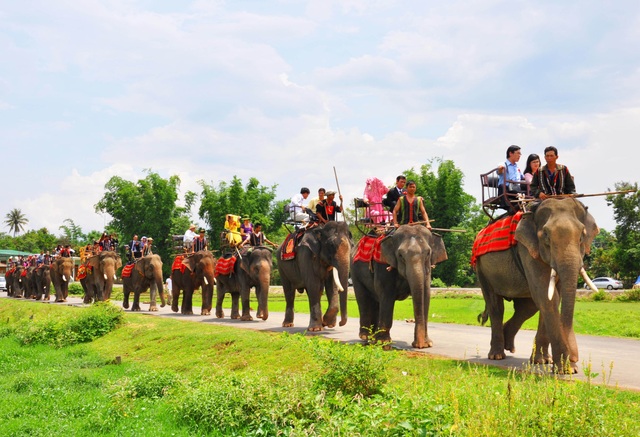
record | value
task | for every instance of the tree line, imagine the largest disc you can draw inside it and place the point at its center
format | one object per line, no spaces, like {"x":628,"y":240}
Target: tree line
{"x":152,"y":206}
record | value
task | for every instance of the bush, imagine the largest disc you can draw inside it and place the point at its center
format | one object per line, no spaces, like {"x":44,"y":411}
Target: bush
{"x":600,"y":295}
{"x":88,"y":324}
{"x":354,"y":370}
{"x":75,"y":288}
{"x":438,"y":283}
{"x":630,"y":296}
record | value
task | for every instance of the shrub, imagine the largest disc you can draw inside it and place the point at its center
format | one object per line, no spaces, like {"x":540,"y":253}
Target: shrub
{"x":354,"y":370}
{"x":149,"y":385}
{"x":630,"y":296}
{"x":88,"y":324}
{"x":600,"y":295}
{"x":438,"y":283}
{"x":75,"y":288}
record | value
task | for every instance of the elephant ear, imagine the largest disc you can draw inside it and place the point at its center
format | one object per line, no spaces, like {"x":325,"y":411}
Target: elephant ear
{"x":312,"y":240}
{"x":438,"y":251}
{"x":189,"y":262}
{"x":388,"y":250}
{"x":591,"y":229}
{"x":526,"y":234}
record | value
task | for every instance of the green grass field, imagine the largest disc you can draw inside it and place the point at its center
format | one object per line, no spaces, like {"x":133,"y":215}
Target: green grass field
{"x":156,"y":376}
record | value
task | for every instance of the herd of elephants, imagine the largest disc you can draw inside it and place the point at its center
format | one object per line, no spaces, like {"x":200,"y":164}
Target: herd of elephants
{"x":539,"y":273}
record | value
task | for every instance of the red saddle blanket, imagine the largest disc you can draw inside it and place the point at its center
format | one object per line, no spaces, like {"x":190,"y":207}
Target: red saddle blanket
{"x":82,"y":271}
{"x":497,"y":236}
{"x":368,"y":249}
{"x":126,"y":270}
{"x":177,"y":264}
{"x":224,"y":266}
{"x":290,"y":244}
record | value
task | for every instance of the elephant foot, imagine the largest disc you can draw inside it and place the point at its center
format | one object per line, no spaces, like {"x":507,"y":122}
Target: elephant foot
{"x":343,"y":321}
{"x":57,"y":300}
{"x":235,"y":316}
{"x":135,"y":307}
{"x":286,"y":324}
{"x":567,"y":369}
{"x":162,"y":305}
{"x":125,"y":305}
{"x":497,"y":354}
{"x":246,"y":318}
{"x":314,"y":328}
{"x":364,"y":335}
{"x":220,"y":314}
{"x":263,"y":316}
{"x":187,"y":313}
{"x":422,"y":344}
{"x":540,"y":358}
{"x":154,"y":309}
{"x":205,"y":312}
{"x":174,"y":308}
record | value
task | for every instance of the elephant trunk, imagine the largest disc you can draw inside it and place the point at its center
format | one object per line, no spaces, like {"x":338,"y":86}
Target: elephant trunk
{"x":262,"y":288}
{"x":158,"y":284}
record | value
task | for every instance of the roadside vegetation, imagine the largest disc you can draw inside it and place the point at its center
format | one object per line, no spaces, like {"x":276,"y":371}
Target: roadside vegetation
{"x":153,"y":376}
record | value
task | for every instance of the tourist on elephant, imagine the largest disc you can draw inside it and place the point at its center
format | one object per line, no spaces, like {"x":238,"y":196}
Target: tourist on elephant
{"x":200,"y":242}
{"x":298,"y":205}
{"x":552,"y":179}
{"x":313,"y":203}
{"x":258,"y":238}
{"x":231,"y":224}
{"x":148,"y":247}
{"x":410,"y":208}
{"x":328,"y":208}
{"x":246,"y":229}
{"x":134,"y":249}
{"x":395,"y":193}
{"x":533,"y":164}
{"x":189,"y":235}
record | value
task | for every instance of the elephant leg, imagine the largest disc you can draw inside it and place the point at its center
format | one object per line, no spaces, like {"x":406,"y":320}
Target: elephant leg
{"x":496,"y":316}
{"x":235,"y":306}
{"x":385,"y":320}
{"x":136,"y":301}
{"x":125,"y":292}
{"x":187,"y":301}
{"x":369,"y":311}
{"x":220,"y":298}
{"x":289,"y":297}
{"x":315,"y":309}
{"x":175,"y":295}
{"x":331,"y":315}
{"x":524,"y":309}
{"x":540,"y":353}
{"x":207,"y":297}
{"x":245,"y":294}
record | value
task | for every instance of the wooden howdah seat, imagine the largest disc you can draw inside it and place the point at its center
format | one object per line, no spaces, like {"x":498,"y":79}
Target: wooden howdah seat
{"x":369,"y":221}
{"x":494,"y":198}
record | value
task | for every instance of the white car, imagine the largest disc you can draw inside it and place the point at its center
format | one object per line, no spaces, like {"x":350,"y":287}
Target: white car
{"x":3,"y":283}
{"x":608,"y":283}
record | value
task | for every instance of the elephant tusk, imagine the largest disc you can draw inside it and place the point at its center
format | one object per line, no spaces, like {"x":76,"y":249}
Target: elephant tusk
{"x":105,"y":276}
{"x":587,"y":279}
{"x":336,"y":279}
{"x":115,"y":278}
{"x":64,"y":278}
{"x":206,"y":281}
{"x":552,"y":283}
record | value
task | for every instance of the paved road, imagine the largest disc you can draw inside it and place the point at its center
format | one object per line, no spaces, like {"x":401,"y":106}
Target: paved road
{"x":615,"y":360}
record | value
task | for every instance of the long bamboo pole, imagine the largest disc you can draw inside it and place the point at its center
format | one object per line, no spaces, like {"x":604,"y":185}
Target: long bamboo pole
{"x":335,"y":174}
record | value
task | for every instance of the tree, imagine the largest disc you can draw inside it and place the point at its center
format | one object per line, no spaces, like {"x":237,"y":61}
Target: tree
{"x":450,"y":207}
{"x":36,"y":241}
{"x":254,"y":200}
{"x":146,"y":207}
{"x":72,"y":233}
{"x":626,"y":207}
{"x":15,"y":220}
{"x":600,"y":262}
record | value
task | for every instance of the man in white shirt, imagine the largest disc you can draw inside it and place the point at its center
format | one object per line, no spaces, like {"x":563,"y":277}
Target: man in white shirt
{"x":298,"y":205}
{"x":188,"y":238}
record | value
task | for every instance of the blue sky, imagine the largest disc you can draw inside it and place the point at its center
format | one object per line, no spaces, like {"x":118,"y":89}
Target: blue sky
{"x":285,"y":90}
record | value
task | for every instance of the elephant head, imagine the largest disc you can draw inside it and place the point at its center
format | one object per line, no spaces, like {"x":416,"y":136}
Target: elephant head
{"x":331,"y":244}
{"x":557,"y":234}
{"x":108,"y":263}
{"x":149,"y":269}
{"x":61,"y":274}
{"x":202,"y":267}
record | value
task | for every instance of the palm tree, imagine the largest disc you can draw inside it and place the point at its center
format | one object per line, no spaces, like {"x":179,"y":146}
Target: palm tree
{"x":16,"y":220}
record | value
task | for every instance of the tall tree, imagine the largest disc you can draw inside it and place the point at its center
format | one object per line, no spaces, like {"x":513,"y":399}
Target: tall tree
{"x":15,"y":221}
{"x":626,"y":212}
{"x":253,"y":200}
{"x":72,"y":233}
{"x":36,"y":241}
{"x":146,"y":207}
{"x":439,"y":182}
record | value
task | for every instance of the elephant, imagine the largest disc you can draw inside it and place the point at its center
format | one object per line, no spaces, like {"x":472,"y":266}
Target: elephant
{"x":8,"y":276}
{"x":321,"y":263}
{"x":409,"y":253}
{"x":253,"y":269}
{"x":146,"y":275}
{"x":30,"y":288}
{"x":17,"y":281}
{"x":61,"y":273}
{"x":100,"y":274}
{"x":538,"y":273}
{"x":196,"y":270}
{"x":43,"y":282}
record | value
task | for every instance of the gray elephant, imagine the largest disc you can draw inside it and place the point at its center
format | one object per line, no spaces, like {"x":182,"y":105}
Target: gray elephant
{"x":146,"y":275}
{"x":321,"y":263}
{"x":190,"y":273}
{"x":100,"y":273}
{"x":43,"y":283}
{"x":539,"y":273}
{"x":61,"y":273}
{"x":30,"y":289}
{"x":17,"y":281}
{"x":408,"y":255}
{"x":253,"y":269}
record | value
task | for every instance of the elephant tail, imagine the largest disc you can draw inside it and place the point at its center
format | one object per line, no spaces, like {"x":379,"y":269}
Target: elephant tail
{"x":483,"y":316}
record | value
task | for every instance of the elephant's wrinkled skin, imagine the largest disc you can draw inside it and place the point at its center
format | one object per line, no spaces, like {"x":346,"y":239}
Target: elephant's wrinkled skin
{"x":321,"y":250}
{"x":146,"y":275}
{"x":101,"y":273}
{"x":199,"y":270}
{"x":43,"y":283}
{"x":252,"y":270}
{"x":557,"y":234}
{"x":61,"y":271}
{"x":410,"y":252}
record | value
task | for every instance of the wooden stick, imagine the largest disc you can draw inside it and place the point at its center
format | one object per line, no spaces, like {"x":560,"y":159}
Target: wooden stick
{"x":344,"y":219}
{"x":563,"y":196}
{"x":449,"y":230}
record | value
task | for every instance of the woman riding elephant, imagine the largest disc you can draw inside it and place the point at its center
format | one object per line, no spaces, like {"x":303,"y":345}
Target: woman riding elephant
{"x":538,"y":273}
{"x":190,"y":273}
{"x":253,"y":269}
{"x":100,"y":273}
{"x":146,"y":275}
{"x":403,"y":270}
{"x":321,"y":262}
{"x":61,"y":274}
